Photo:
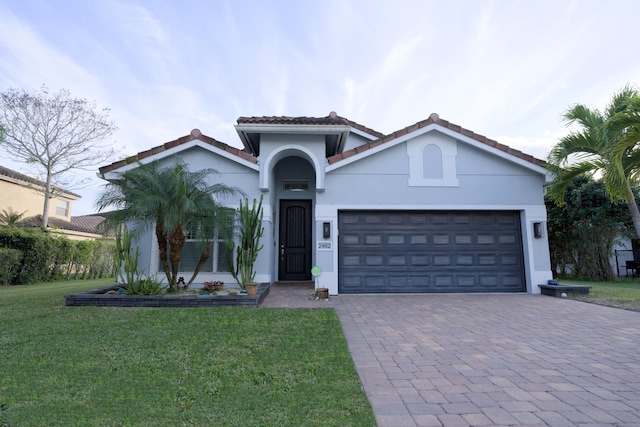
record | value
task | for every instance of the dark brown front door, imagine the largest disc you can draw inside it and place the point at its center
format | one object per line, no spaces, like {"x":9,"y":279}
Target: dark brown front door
{"x":295,"y":240}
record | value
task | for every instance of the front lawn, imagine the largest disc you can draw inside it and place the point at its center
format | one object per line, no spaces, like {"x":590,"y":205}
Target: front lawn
{"x":623,"y":293}
{"x":227,"y":366}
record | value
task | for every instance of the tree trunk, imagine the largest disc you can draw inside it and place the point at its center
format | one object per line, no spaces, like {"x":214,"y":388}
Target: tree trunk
{"x":203,"y":257}
{"x":633,"y":210}
{"x":176,"y":242}
{"x":162,"y":247}
{"x":47,"y":197}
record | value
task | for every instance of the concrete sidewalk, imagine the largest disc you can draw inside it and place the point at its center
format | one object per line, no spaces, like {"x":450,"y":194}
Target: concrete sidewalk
{"x":484,"y":360}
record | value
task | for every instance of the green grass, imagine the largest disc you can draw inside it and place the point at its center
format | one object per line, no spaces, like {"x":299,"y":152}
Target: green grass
{"x":622,"y":293}
{"x":227,"y":366}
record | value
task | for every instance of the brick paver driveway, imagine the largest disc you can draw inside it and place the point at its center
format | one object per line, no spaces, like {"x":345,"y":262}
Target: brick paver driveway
{"x":484,"y":360}
{"x":458,"y":360}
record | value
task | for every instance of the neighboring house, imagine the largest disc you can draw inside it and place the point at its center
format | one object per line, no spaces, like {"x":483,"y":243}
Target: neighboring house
{"x":21,"y":193}
{"x":432,"y":207}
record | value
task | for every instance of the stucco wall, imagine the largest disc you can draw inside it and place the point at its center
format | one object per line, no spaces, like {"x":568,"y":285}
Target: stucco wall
{"x":383,"y":178}
{"x":21,"y":198}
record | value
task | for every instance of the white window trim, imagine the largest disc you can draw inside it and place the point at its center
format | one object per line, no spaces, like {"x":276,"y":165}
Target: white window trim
{"x":449,"y":149}
{"x":59,"y":208}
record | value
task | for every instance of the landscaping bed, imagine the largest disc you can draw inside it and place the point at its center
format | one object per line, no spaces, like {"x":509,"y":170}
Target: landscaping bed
{"x":558,"y":290}
{"x":106,"y":297}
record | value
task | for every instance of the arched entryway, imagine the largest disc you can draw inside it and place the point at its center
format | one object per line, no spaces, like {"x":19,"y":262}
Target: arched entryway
{"x":295,"y":181}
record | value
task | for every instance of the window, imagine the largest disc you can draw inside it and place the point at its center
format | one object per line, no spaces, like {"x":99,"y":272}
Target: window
{"x":191,"y":251}
{"x":289,"y":185}
{"x":62,"y":208}
{"x":432,"y":161}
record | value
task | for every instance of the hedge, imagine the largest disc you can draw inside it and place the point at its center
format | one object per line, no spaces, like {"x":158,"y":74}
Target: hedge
{"x":48,"y":257}
{"x":9,"y":264}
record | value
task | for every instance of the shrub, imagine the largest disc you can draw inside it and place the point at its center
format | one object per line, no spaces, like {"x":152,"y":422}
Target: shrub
{"x":65,"y":250}
{"x":46,"y":257}
{"x":38,"y":253}
{"x":146,"y":286}
{"x":102,"y":264}
{"x":9,"y":265}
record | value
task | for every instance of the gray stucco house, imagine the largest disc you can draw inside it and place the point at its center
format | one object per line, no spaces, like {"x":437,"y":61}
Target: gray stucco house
{"x":432,"y":207}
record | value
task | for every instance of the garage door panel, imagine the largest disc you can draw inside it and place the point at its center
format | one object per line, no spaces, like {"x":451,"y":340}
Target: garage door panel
{"x":374,"y":261}
{"x":351,"y":284}
{"x":419,"y":260}
{"x":464,"y":260}
{"x":441,"y":239}
{"x":397,"y":260}
{"x":391,"y":251}
{"x":396,"y":239}
{"x":398,"y":282}
{"x":350,"y":240}
{"x":466,"y":283}
{"x":375,"y":283}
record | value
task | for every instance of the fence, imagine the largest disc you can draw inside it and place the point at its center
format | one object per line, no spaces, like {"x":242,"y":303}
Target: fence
{"x":626,"y":262}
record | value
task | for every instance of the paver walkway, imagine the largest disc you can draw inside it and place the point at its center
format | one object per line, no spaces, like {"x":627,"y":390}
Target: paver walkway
{"x":484,"y":360}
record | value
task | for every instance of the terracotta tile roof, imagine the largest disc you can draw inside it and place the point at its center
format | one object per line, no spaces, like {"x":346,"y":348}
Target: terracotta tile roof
{"x":10,"y":173}
{"x":435,"y":119}
{"x":331,"y":120}
{"x":36,"y":221}
{"x":90,"y":222}
{"x":195,"y":134}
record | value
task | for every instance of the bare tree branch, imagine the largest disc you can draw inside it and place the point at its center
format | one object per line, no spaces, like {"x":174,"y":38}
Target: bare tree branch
{"x":54,"y":132}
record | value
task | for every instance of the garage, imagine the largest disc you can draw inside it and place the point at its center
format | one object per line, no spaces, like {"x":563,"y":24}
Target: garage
{"x":430,"y":251}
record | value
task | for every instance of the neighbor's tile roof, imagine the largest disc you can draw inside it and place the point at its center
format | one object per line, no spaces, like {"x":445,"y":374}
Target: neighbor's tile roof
{"x":435,"y":119}
{"x":10,"y":173}
{"x":90,"y":222}
{"x":195,"y":134}
{"x":331,"y":119}
{"x":53,"y":222}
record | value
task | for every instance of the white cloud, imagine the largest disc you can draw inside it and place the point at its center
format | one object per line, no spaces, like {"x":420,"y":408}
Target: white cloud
{"x":504,"y":69}
{"x":538,"y":147}
{"x":28,"y":61}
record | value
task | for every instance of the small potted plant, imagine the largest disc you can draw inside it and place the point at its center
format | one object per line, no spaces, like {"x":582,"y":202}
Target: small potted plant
{"x":246,"y":252}
{"x":212,"y":287}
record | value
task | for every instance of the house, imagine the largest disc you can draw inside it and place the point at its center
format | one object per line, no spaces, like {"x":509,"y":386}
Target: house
{"x":431,"y":207}
{"x":24,"y":194}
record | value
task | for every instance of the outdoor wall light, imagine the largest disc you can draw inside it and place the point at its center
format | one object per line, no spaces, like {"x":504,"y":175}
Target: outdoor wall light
{"x":537,"y":230}
{"x":326,"y":230}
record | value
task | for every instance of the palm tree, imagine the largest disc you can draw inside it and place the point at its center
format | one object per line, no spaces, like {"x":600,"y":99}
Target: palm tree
{"x":177,"y":202}
{"x":596,"y":148}
{"x":10,"y":218}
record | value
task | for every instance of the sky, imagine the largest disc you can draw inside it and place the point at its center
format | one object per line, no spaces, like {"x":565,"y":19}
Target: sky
{"x":505,"y":69}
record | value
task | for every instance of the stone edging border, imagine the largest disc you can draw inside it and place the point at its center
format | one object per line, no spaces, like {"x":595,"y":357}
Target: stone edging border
{"x":98,"y":297}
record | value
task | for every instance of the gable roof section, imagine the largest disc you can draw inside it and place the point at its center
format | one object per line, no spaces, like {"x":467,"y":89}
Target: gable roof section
{"x":332,"y":119}
{"x":434,"y":119}
{"x":22,"y":179}
{"x":335,"y":129}
{"x":194,"y":135}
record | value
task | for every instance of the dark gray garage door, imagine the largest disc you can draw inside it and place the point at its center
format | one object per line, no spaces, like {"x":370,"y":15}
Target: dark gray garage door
{"x":430,"y":251}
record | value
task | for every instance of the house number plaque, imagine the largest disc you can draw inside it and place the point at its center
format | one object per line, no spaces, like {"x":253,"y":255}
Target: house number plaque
{"x":324,"y":246}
